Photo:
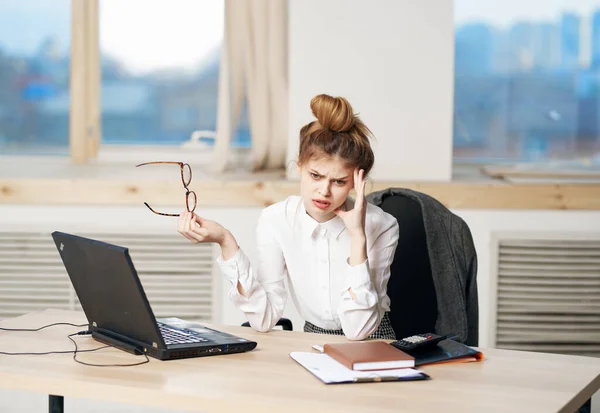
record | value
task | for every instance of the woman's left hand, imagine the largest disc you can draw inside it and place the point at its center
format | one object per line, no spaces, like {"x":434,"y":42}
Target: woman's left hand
{"x":354,"y":219}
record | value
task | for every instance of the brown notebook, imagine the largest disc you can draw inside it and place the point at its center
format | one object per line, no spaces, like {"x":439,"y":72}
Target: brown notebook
{"x":369,"y":355}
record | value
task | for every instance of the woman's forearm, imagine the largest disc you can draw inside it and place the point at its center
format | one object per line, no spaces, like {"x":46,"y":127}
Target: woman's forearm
{"x":358,"y":255}
{"x":229,"y":246}
{"x":358,"y":250}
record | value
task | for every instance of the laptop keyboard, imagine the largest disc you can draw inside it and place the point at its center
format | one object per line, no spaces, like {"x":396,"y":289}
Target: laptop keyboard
{"x":173,"y":336}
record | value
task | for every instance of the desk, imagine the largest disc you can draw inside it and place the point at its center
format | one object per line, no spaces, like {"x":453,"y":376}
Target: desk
{"x":267,"y":378}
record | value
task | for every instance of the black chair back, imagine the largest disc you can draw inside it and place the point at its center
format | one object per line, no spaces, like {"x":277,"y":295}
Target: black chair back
{"x":285,"y":323}
{"x":410,"y":288}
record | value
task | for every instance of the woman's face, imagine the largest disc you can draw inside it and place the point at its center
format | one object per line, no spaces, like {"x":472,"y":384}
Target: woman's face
{"x":324,"y":185}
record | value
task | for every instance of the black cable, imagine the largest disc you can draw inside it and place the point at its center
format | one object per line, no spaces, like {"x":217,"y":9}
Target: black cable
{"x":45,"y":353}
{"x":41,"y":328}
{"x":102,"y":365}
{"x":80,"y":333}
{"x":4,"y":353}
{"x":58,"y":351}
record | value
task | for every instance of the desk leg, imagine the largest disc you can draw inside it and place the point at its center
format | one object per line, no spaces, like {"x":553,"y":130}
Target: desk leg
{"x":56,"y":404}
{"x":586,"y":408}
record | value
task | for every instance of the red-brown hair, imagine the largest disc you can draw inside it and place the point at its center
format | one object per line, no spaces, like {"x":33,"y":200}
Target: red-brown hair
{"x":338,"y":131}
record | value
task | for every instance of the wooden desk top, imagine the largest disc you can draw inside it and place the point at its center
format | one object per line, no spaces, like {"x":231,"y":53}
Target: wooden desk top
{"x":267,"y":378}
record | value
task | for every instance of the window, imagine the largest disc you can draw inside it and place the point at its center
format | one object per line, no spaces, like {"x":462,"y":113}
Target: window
{"x":159,"y":65}
{"x":527,"y":77}
{"x":34,"y":76}
{"x":160,"y":70}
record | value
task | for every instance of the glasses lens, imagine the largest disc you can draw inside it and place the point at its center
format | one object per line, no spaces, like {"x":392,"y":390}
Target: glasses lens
{"x":187,"y":174}
{"x":191,"y":201}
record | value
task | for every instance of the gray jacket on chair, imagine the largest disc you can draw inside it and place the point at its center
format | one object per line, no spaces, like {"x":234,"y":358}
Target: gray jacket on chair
{"x":453,"y":262}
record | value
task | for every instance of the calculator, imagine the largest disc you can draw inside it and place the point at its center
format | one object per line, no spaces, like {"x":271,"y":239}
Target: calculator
{"x":418,"y":341}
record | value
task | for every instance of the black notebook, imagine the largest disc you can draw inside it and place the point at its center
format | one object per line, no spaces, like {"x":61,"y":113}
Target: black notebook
{"x":447,"y":351}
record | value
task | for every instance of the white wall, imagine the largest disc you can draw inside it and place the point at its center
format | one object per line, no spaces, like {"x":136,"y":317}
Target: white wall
{"x":394,"y":61}
{"x":485,"y":224}
{"x":242,"y":222}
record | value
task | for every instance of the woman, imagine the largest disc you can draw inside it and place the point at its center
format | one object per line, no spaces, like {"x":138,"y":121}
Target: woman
{"x":334,"y":253}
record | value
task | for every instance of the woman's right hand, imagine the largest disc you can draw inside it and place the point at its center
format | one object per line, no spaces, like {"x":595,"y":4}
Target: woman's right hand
{"x":198,"y":229}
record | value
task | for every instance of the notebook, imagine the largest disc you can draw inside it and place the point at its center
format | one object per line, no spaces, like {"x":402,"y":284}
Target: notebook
{"x":369,"y":355}
{"x":330,"y":371}
{"x":446,"y":351}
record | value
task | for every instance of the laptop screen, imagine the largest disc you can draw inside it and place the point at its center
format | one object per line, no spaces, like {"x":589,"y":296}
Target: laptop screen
{"x":108,"y":287}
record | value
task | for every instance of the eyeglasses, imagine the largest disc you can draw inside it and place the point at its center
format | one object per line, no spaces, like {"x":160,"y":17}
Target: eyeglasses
{"x":186,"y":178}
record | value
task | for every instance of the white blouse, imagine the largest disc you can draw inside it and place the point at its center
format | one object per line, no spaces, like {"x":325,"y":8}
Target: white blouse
{"x":312,"y":259}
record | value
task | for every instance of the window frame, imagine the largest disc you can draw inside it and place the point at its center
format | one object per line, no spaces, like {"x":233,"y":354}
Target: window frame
{"x":85,"y":114}
{"x":84,"y":82}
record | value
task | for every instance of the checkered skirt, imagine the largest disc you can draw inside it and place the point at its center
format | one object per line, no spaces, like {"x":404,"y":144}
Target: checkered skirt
{"x":384,"y":330}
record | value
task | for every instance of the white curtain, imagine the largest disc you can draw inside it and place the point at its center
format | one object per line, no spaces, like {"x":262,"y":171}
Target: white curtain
{"x":254,"y":65}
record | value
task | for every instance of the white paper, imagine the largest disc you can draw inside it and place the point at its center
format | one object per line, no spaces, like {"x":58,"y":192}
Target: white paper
{"x":329,"y":370}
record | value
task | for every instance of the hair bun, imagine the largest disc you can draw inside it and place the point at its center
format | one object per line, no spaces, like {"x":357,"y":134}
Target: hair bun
{"x":334,"y":113}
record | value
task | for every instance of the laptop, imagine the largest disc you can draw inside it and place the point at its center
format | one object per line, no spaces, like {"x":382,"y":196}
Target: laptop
{"x":118,"y":312}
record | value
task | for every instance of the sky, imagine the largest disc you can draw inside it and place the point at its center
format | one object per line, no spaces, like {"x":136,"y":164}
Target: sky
{"x":503,"y":12}
{"x":166,"y":34}
{"x":148,"y":35}
{"x":24,"y":23}
{"x":144,"y":35}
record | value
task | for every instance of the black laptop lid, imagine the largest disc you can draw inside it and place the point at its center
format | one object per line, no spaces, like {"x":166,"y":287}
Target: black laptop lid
{"x":108,"y":287}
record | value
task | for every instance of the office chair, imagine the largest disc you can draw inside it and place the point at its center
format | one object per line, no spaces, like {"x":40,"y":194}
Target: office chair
{"x":285,"y":324}
{"x":422,"y":300}
{"x":413,"y":300}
